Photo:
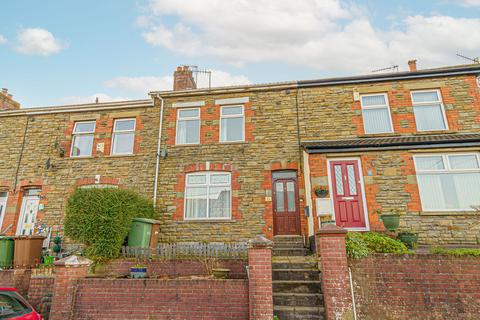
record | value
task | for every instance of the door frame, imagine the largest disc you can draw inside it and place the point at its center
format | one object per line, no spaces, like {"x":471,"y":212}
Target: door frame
{"x":298,"y":219}
{"x":21,"y":216}
{"x":362,"y":187}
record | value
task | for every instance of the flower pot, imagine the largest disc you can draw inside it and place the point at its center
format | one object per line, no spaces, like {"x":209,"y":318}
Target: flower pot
{"x":327,"y":222}
{"x":409,"y":239}
{"x":138,"y":272}
{"x":221,"y":273}
{"x":390,"y":221}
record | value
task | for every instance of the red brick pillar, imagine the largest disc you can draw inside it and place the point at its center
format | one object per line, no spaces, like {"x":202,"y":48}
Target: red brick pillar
{"x":332,"y":256}
{"x":68,"y":271}
{"x":21,"y":279}
{"x":260,"y":278}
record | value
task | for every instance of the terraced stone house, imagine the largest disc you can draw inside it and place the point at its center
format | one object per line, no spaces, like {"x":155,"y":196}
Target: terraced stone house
{"x":226,"y":164}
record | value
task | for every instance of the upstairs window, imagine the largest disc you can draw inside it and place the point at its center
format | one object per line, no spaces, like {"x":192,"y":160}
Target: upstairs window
{"x":376,"y":113}
{"x":188,"y":126}
{"x":428,"y":110}
{"x":3,"y":206}
{"x":232,"y":124}
{"x":82,"y":144}
{"x":123,"y":137}
{"x":208,"y":196}
{"x":448,"y":182}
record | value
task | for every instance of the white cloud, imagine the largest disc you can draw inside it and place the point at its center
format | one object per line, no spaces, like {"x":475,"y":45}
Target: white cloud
{"x":326,"y":34}
{"x":102,"y":97}
{"x":36,"y":41}
{"x":145,"y":84}
{"x":2,"y":39}
{"x":140,"y":84}
{"x":469,"y":3}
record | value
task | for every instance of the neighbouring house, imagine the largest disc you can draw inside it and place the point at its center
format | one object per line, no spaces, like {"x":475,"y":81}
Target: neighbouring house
{"x":226,"y":164}
{"x":7,"y":102}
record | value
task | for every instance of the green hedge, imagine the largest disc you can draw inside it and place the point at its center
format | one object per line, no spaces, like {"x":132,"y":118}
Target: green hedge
{"x":100,"y":218}
{"x":360,"y":245}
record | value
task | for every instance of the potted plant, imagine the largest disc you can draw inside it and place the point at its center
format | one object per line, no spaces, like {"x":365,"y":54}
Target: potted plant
{"x":409,"y":239}
{"x":138,"y":271}
{"x":321,"y":191}
{"x":390,"y":220}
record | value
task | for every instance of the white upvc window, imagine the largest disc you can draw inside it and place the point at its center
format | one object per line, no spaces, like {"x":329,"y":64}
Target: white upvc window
{"x":376,"y":113}
{"x":232,"y":124}
{"x":3,"y":207}
{"x":123,"y":137}
{"x":448,"y":182}
{"x":83,"y":135}
{"x":208,"y":195}
{"x":188,"y":126}
{"x":429,"y":110}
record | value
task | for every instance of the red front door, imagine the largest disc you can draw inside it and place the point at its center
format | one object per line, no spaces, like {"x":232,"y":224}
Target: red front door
{"x":286,"y":215}
{"x":347,"y":194}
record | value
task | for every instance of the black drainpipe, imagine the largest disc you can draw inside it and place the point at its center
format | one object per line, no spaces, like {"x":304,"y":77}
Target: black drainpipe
{"x":20,"y":155}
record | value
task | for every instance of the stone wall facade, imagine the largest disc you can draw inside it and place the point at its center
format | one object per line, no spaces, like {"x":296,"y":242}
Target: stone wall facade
{"x":278,"y":119}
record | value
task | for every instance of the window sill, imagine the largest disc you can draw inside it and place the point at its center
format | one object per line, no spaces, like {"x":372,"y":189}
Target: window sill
{"x":420,"y":133}
{"x":449,"y":213}
{"x":233,"y":142}
{"x":375,"y":135}
{"x":207,"y":221}
{"x":119,"y":155}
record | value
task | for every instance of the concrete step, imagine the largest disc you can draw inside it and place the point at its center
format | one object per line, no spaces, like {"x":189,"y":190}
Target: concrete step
{"x":298,"y":299}
{"x":296,"y":286}
{"x":299,"y":313}
{"x":288,"y":245}
{"x":294,"y":262}
{"x":288,"y":239}
{"x":296,"y":274}
{"x":289,"y":251}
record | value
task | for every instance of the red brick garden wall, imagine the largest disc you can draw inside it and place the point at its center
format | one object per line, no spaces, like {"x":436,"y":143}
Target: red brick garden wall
{"x":40,"y":294}
{"x":161,"y":299}
{"x":417,"y":287}
{"x":177,"y":268}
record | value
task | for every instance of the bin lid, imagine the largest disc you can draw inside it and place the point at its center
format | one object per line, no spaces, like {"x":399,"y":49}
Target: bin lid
{"x":6,"y":238}
{"x":145,"y":220}
{"x":29,"y":237}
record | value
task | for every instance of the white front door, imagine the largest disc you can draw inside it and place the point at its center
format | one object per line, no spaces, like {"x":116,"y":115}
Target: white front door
{"x":28,"y":215}
{"x":3,"y":207}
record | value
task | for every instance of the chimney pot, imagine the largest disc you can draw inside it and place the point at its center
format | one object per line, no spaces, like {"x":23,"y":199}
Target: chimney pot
{"x":4,"y":90}
{"x":412,"y":65}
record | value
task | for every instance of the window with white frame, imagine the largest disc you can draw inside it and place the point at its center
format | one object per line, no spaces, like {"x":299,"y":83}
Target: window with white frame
{"x":3,"y":206}
{"x":208,"y":195}
{"x":188,"y":126}
{"x":123,"y":137}
{"x":448,"y":182}
{"x":429,"y":111}
{"x":83,"y":134}
{"x":232,"y":124}
{"x":376,"y":113}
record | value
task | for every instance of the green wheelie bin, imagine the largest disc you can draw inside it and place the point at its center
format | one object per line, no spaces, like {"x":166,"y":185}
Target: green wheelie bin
{"x":6,"y":252}
{"x":141,"y":232}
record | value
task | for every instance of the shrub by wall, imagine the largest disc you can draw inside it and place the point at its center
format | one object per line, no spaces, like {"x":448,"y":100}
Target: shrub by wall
{"x":101,"y":219}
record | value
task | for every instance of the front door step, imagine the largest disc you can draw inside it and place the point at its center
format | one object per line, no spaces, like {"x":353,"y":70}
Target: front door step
{"x":298,"y":299}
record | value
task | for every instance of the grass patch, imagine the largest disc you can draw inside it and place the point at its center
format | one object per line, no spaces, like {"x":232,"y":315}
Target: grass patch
{"x":458,"y":252}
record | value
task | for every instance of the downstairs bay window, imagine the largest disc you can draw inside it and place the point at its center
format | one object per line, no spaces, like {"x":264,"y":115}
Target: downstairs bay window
{"x":448,"y":182}
{"x":208,"y":195}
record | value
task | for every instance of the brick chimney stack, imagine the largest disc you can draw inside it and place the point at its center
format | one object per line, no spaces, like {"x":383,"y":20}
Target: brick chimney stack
{"x":183,"y":79}
{"x":7,"y":102}
{"x":412,"y":65}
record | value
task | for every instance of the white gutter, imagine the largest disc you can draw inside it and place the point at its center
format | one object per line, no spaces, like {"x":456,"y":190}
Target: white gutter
{"x":157,"y":164}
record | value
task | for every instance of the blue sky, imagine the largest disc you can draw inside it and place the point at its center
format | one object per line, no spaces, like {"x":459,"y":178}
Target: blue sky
{"x":60,"y":52}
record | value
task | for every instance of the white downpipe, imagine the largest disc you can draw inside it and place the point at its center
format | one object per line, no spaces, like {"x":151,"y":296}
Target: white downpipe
{"x":157,"y":164}
{"x":353,"y":294}
{"x":308,"y":192}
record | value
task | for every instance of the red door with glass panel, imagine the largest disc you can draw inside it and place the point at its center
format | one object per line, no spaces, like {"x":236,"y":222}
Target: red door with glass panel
{"x":286,"y":217}
{"x":347,"y":194}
